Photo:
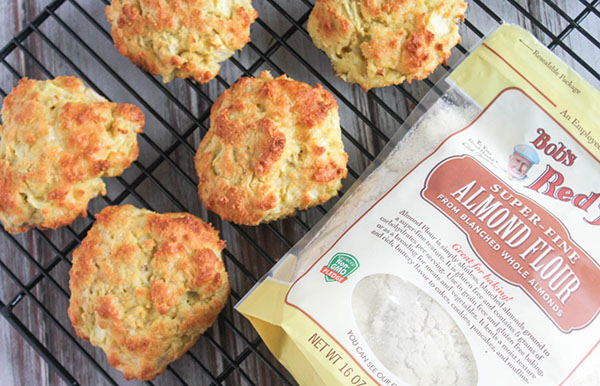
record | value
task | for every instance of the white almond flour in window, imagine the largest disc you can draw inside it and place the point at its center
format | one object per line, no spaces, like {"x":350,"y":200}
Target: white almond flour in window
{"x":411,"y":334}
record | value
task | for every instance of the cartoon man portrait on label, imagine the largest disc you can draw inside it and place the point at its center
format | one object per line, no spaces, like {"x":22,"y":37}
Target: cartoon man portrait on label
{"x":521,"y":160}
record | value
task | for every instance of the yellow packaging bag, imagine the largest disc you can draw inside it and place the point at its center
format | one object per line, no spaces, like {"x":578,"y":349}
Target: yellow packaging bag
{"x":467,"y":253}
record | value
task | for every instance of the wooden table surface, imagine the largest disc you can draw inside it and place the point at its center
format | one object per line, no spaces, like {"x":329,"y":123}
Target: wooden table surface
{"x":167,"y":190}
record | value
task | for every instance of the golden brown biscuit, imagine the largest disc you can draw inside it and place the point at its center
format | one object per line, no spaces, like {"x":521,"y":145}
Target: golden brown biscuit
{"x":144,"y":286}
{"x":377,"y":43}
{"x":274,"y":146}
{"x":180,"y":38}
{"x":59,"y":139}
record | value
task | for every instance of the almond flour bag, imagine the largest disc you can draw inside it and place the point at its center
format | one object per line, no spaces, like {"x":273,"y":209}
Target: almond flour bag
{"x":467,"y":253}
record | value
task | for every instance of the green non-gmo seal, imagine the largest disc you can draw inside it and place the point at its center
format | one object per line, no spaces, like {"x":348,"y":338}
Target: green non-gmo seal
{"x":340,"y":267}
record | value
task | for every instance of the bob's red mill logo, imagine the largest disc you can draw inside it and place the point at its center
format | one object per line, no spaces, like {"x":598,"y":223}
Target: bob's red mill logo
{"x":518,"y":239}
{"x":553,"y":183}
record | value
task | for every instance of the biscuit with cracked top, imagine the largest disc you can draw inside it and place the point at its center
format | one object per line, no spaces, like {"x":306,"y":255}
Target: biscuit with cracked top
{"x":377,"y":43}
{"x":59,"y":139}
{"x":274,"y":146}
{"x":145,"y":286}
{"x":180,"y":38}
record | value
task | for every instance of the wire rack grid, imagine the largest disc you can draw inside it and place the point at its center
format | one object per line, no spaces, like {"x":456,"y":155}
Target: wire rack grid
{"x":72,"y":37}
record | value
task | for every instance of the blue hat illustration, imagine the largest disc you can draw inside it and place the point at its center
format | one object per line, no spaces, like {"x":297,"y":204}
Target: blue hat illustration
{"x":528,"y":153}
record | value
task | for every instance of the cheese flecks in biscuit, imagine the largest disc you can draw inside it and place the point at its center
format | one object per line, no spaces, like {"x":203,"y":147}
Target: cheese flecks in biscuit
{"x":59,"y":139}
{"x":180,"y":38}
{"x":377,"y":43}
{"x":145,"y":286}
{"x":274,"y":146}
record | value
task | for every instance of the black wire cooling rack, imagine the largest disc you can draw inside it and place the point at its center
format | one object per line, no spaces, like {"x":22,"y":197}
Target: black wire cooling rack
{"x":73,"y":37}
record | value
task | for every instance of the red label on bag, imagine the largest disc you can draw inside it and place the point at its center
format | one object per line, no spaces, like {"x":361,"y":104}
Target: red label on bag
{"x":333,"y":275}
{"x":519,"y":240}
